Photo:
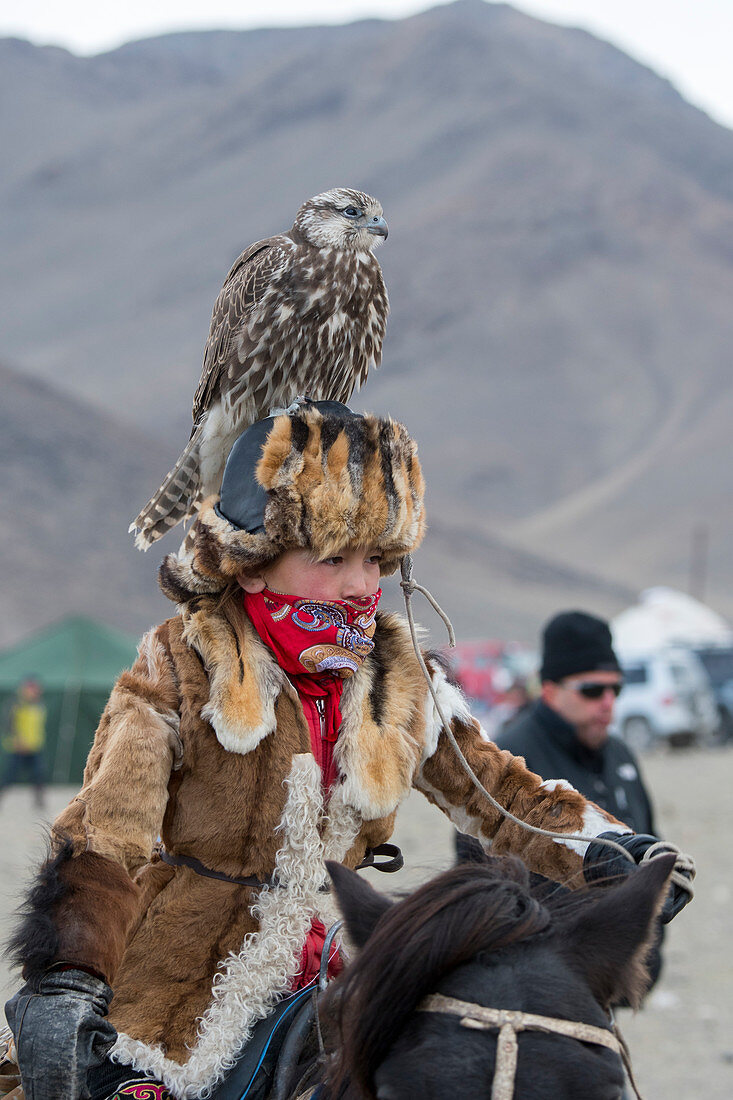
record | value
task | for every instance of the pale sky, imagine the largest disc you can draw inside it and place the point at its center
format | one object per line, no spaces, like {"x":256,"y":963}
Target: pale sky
{"x":688,"y":41}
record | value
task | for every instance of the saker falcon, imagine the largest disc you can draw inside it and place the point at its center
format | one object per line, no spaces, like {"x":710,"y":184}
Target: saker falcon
{"x":302,"y":313}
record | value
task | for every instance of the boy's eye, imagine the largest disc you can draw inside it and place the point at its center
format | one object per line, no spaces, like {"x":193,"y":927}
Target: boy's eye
{"x":374,"y":559}
{"x":335,"y":560}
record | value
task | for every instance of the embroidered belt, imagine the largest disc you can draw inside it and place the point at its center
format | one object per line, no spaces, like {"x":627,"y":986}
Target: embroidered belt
{"x":388,"y":866}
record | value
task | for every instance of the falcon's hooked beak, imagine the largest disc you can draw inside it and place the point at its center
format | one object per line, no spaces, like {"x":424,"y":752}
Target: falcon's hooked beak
{"x":378,"y":227}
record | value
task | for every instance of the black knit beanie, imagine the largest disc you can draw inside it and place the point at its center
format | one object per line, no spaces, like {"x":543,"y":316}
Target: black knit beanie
{"x":575,"y":642}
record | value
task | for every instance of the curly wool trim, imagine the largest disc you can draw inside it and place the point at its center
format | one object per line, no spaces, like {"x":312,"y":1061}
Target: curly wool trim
{"x":343,"y":825}
{"x":249,"y":984}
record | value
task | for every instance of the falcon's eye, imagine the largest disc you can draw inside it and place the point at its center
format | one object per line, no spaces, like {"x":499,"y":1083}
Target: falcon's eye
{"x":352,"y":212}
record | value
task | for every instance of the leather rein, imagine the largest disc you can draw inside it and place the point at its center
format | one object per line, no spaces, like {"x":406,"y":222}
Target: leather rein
{"x":509,"y":1023}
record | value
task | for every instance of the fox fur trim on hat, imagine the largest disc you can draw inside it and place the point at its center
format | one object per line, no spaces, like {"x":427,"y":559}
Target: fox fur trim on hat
{"x":331,"y":483}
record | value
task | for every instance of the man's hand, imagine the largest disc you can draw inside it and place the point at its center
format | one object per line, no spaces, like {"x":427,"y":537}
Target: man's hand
{"x":603,"y":863}
{"x":61,"y":1031}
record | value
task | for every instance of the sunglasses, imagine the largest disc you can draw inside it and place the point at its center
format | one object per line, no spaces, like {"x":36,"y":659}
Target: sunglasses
{"x":592,"y":689}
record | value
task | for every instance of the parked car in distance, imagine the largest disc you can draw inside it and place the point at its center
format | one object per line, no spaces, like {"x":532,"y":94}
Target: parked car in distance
{"x":666,"y":697}
{"x":718,"y":663}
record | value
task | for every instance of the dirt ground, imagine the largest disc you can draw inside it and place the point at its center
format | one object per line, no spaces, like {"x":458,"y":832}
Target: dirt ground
{"x":682,"y":1041}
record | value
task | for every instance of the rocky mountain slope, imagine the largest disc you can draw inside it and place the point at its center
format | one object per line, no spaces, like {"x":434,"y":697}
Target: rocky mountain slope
{"x":71,"y":477}
{"x":560,"y":267}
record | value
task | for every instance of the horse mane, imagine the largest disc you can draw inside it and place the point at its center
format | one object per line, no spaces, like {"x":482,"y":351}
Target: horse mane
{"x":445,"y":923}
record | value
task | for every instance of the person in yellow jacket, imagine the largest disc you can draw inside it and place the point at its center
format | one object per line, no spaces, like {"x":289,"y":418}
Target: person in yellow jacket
{"x":26,"y":739}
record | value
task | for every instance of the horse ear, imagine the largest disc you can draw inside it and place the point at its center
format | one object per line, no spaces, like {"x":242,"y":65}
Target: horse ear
{"x":360,"y":904}
{"x":608,"y":938}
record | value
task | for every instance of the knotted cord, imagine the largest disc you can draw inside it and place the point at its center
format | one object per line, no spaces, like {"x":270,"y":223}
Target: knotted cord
{"x":683,"y":863}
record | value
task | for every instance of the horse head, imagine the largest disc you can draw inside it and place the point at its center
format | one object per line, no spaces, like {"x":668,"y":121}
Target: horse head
{"x":481,"y":936}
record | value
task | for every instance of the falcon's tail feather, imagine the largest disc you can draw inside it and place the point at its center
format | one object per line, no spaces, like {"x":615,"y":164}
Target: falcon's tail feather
{"x":176,"y":499}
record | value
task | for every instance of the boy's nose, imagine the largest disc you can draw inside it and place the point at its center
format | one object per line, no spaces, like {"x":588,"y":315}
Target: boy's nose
{"x":356,"y":583}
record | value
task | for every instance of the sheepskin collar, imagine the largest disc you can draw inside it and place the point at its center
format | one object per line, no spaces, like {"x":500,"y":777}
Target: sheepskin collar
{"x":383,"y":727}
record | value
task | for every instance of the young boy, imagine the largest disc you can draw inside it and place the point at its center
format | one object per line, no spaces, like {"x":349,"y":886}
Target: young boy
{"x":278,"y":719}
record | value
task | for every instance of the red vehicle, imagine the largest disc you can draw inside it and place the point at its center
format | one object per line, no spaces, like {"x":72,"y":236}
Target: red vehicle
{"x":486,"y":669}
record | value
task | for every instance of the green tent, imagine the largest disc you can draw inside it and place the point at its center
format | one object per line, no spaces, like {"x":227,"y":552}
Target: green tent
{"x":76,"y":662}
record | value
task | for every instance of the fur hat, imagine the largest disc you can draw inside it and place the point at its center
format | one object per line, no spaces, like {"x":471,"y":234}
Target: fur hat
{"x":320,"y":478}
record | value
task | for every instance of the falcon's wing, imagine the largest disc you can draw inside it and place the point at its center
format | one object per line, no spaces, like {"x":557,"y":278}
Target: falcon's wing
{"x":243,"y":287}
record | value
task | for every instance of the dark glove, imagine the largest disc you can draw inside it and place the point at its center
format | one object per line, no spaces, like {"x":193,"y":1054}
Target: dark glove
{"x":60,"y":1032}
{"x":601,"y":862}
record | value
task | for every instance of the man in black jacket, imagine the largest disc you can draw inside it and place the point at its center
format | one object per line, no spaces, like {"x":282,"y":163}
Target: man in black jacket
{"x":564,"y":734}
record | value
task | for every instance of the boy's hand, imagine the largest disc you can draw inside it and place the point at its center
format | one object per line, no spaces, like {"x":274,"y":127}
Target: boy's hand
{"x":602,"y":862}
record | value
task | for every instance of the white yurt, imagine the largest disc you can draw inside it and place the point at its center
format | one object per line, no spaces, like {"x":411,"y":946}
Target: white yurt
{"x":664,"y":617}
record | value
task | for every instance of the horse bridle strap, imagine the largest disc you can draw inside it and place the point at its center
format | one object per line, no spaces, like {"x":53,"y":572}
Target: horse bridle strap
{"x":509,"y":1023}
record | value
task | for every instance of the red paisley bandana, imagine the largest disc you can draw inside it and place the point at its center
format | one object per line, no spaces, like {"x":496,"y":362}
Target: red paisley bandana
{"x":318,"y":643}
{"x":314,"y":636}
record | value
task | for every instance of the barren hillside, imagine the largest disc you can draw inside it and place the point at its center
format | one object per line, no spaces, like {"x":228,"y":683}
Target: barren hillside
{"x":560,"y":265}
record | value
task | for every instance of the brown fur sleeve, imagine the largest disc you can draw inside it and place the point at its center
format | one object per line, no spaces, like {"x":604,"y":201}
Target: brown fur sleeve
{"x":84,"y":901}
{"x":119,"y":810}
{"x":556,"y":806}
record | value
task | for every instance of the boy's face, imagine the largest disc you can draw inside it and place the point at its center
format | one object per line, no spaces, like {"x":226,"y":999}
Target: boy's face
{"x":346,"y":575}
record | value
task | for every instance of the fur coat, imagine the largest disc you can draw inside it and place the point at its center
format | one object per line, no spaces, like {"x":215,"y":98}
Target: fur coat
{"x":204,"y":745}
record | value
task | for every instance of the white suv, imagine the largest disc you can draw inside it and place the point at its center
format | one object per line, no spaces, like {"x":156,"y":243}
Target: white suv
{"x":666,"y":696}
